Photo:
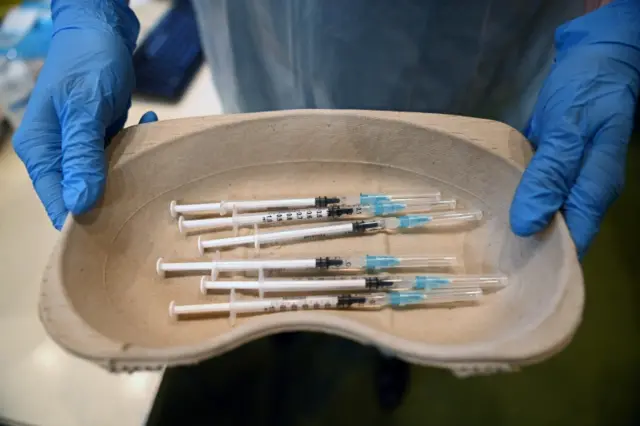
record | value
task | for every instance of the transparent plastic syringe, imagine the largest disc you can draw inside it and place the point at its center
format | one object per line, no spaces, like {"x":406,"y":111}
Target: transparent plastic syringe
{"x":353,"y":263}
{"x":389,"y":223}
{"x":344,"y":301}
{"x":316,"y":215}
{"x":488,"y":283}
{"x":224,"y":207}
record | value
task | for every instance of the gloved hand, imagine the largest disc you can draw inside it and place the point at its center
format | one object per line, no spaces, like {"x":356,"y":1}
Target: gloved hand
{"x":581,"y":124}
{"x":80,"y":99}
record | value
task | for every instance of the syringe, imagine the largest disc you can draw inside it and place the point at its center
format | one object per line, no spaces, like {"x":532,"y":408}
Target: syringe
{"x":346,"y":301}
{"x":224,"y":207}
{"x":400,"y":222}
{"x":319,"y":214}
{"x":361,"y":283}
{"x":367,"y":262}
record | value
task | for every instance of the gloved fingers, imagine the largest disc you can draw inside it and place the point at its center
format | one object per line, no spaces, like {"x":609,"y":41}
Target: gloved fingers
{"x":83,"y":161}
{"x":548,"y":179}
{"x":37,"y":144}
{"x":41,"y":156}
{"x":600,"y":182}
{"x":148,"y":117}
{"x":48,"y":186}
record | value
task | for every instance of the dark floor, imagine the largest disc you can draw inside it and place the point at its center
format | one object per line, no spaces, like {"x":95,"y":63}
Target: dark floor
{"x":319,"y":380}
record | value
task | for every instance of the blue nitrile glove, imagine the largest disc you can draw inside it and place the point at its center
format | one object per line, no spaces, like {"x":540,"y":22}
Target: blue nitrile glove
{"x":581,"y":124}
{"x":80,"y":100}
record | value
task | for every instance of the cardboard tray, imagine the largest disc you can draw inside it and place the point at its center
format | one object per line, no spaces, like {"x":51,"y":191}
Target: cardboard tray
{"x":103,"y":301}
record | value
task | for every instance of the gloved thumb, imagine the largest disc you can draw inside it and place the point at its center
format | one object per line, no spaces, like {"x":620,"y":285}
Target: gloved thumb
{"x":83,"y":114}
{"x":548,"y":179}
{"x":601,"y":179}
{"x":148,"y":117}
{"x":83,"y":162}
{"x":111,"y":131}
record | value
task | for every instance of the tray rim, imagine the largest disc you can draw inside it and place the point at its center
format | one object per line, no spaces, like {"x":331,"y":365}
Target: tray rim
{"x":66,"y":327}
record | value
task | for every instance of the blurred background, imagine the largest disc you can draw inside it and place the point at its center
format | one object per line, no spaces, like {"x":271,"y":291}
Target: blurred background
{"x":168,"y":62}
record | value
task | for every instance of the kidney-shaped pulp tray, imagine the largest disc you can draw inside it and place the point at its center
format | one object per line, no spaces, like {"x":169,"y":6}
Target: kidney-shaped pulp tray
{"x":103,"y":300}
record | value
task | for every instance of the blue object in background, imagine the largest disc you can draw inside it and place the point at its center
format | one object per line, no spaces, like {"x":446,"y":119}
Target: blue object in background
{"x":31,"y":41}
{"x":168,"y":58}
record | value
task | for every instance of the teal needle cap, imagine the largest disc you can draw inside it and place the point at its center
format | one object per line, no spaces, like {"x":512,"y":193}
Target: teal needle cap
{"x":381,"y":209}
{"x":379,"y":262}
{"x":372,"y":199}
{"x":429,"y":283}
{"x":413,"y":220}
{"x":405,"y":298}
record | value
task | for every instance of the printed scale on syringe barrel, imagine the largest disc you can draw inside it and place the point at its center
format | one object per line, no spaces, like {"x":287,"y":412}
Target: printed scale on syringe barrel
{"x":225,"y":207}
{"x":319,"y":214}
{"x":359,"y":227}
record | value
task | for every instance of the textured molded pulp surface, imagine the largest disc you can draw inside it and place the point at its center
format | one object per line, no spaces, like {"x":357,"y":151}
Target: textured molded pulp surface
{"x":103,"y":300}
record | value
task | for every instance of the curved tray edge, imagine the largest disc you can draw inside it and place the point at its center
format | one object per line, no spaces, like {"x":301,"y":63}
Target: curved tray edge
{"x":68,"y":329}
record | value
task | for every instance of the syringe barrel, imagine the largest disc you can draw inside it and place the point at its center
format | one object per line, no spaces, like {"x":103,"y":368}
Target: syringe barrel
{"x":249,"y":265}
{"x":303,"y":233}
{"x":236,"y":265}
{"x":265,"y":218}
{"x":209,"y":223}
{"x":289,"y":285}
{"x":200,"y":208}
{"x":268,"y":204}
{"x":283,"y":217}
{"x":186,"y":266}
{"x":281,"y":236}
{"x":224,"y":207}
{"x":306,"y":302}
{"x":212,"y":308}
